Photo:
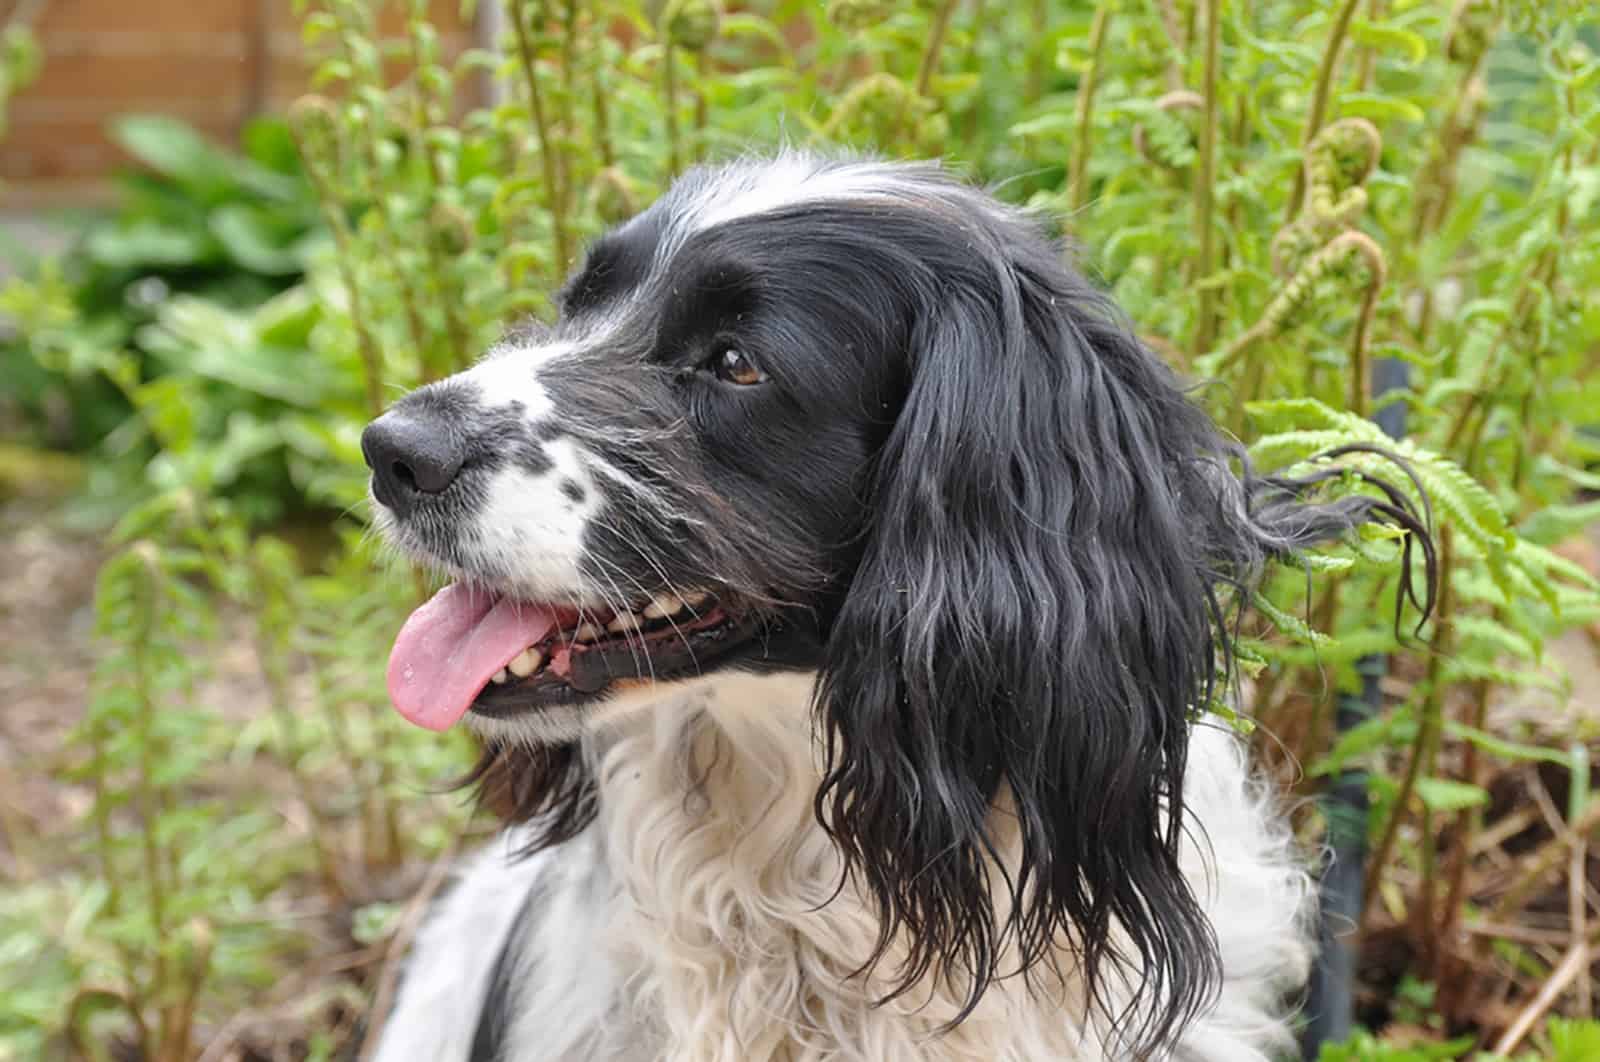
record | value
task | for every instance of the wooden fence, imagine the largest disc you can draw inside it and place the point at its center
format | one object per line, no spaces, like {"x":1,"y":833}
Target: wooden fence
{"x":213,"y":63}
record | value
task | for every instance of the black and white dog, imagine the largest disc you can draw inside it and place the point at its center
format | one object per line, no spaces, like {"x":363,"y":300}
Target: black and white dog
{"x":836,"y":582}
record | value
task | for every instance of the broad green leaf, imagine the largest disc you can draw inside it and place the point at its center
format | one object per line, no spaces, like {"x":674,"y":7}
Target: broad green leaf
{"x":256,"y":241}
{"x":149,"y":245}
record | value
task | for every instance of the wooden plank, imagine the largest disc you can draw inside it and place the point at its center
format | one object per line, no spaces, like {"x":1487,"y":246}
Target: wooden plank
{"x":145,"y":16}
{"x":208,"y":62}
{"x":45,"y":144}
{"x":147,"y":78}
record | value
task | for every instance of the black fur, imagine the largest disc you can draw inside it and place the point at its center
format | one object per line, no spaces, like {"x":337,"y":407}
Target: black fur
{"x":496,"y":1015}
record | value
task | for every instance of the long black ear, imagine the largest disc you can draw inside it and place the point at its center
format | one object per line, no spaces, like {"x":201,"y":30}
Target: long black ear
{"x":1035,"y":618}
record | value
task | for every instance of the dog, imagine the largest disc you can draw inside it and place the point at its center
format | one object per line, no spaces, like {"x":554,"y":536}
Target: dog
{"x":839,"y":585}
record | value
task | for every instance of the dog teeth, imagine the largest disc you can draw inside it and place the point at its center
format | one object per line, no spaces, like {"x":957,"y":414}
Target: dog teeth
{"x":500,"y":678}
{"x":587,"y":632}
{"x":696,"y":598}
{"x":526,"y":662}
{"x":663,"y":605}
{"x":624,"y":622}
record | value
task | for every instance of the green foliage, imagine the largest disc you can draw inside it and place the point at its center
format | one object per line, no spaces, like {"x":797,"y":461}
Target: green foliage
{"x":173,"y":929}
{"x":1569,"y":1041}
{"x":181,"y":304}
{"x":1278,"y":214}
{"x":19,"y":65}
{"x":1574,"y":1041}
{"x":1363,"y":1047}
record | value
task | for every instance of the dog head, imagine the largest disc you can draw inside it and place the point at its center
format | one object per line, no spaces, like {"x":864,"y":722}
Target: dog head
{"x":861,"y":420}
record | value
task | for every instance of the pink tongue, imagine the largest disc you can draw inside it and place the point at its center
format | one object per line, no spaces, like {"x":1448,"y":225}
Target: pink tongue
{"x":451,"y":646}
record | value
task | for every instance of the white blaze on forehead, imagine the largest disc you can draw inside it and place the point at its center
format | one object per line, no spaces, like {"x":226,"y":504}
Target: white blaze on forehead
{"x":510,"y":373}
{"x":749,"y":189}
{"x":746,"y":190}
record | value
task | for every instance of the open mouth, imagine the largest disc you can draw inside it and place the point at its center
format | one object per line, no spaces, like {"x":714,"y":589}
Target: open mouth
{"x":468,"y":649}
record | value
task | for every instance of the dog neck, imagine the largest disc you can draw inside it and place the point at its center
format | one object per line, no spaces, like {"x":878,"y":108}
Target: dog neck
{"x":731,"y":903}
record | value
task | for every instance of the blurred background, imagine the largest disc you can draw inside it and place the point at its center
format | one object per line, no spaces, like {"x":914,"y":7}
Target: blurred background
{"x":216,"y":66}
{"x":231,"y":232}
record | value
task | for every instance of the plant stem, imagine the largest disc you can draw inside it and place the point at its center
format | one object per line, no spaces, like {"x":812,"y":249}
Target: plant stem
{"x":1038,"y":60}
{"x":1469,"y":822}
{"x":1204,"y":179}
{"x":269,"y":654}
{"x":1360,"y":362}
{"x":1280,"y":312}
{"x":1572,"y":965}
{"x":145,"y":788}
{"x":602,"y":108}
{"x":368,"y":179}
{"x":567,"y":102}
{"x":547,"y":160}
{"x":930,"y":54}
{"x":449,"y":293}
{"x":1431,"y":723}
{"x":99,"y":768}
{"x":371,"y":360}
{"x":669,"y":90}
{"x":13,"y":831}
{"x":1533,"y":866}
{"x":1578,"y":796}
{"x":702,"y":108}
{"x":1078,"y":181}
{"x":338,"y":729}
{"x":1367,"y":61}
{"x":1319,"y":96}
{"x":1325,"y":615}
{"x":1436,"y":178}
{"x":366,"y":348}
{"x":1172,"y":26}
{"x":388,"y":821}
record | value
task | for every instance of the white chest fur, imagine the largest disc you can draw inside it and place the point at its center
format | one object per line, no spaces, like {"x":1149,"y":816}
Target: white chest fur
{"x":700,"y":918}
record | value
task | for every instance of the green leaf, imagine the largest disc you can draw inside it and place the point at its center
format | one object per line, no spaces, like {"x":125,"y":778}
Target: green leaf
{"x":1482,"y":633}
{"x":1389,"y":39}
{"x":171,"y":147}
{"x":1506,"y":750}
{"x":207,"y":341}
{"x":1444,"y":794}
{"x":1574,"y":1041}
{"x":148,"y":244}
{"x":374,"y":922}
{"x":1289,"y":624}
{"x":1284,"y":414}
{"x":175,"y":149}
{"x":1380,"y":108}
{"x":255,"y":240}
{"x":1557,"y":523}
{"x":1398,"y":727}
{"x":1467,"y":669}
{"x":1051,"y":123}
{"x":745,"y":24}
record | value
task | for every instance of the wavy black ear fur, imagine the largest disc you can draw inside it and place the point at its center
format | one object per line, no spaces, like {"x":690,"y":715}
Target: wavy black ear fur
{"x":1036,"y":615}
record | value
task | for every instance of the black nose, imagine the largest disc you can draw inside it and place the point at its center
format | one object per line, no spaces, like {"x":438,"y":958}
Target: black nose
{"x":411,"y":453}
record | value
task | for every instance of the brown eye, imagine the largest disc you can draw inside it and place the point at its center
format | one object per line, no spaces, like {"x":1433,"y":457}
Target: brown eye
{"x":734,"y":366}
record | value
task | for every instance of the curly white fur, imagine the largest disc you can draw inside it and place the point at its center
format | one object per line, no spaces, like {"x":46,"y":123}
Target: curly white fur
{"x":701,"y":918}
